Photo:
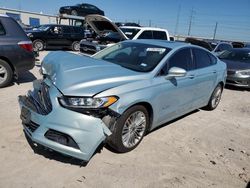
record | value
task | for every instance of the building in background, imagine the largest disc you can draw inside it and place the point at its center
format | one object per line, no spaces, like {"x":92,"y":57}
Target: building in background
{"x":31,"y":18}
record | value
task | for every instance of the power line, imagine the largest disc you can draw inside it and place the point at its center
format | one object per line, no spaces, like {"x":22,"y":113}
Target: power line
{"x":190,"y":22}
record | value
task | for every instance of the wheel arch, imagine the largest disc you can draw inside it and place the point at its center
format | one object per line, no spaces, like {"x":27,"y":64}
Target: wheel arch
{"x":9,"y":62}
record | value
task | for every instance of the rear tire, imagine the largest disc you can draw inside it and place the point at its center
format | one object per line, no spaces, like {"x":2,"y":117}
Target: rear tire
{"x":215,"y":98}
{"x":129,"y":129}
{"x":6,"y":74}
{"x":38,"y":45}
{"x":76,"y":46}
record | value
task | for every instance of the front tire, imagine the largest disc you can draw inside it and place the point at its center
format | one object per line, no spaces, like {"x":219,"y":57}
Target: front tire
{"x":6,"y":74}
{"x":38,"y":45}
{"x":215,"y":98}
{"x":129,"y":129}
{"x":76,"y":46}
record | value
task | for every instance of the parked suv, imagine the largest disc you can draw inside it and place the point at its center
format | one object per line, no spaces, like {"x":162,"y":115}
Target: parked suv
{"x":53,"y":35}
{"x":109,"y":34}
{"x":16,"y":53}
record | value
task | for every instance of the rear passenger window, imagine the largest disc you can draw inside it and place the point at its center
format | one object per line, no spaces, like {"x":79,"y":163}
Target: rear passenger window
{"x":66,"y":30}
{"x":77,"y":29}
{"x":202,"y":58}
{"x":160,"y":35}
{"x":181,"y":59}
{"x":146,"y":35}
{"x":213,"y":59}
{"x":2,"y":30}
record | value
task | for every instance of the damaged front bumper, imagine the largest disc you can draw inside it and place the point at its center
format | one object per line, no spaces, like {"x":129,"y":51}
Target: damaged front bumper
{"x":47,"y":123}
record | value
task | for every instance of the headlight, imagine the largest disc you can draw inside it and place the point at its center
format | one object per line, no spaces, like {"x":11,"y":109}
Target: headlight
{"x":244,"y":72}
{"x":30,"y":35}
{"x":87,"y":102}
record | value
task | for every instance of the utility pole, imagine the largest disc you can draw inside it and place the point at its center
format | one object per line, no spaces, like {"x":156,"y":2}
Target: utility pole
{"x":19,"y":5}
{"x":215,"y":30}
{"x":191,"y":20}
{"x":149,"y":24}
{"x":177,"y":20}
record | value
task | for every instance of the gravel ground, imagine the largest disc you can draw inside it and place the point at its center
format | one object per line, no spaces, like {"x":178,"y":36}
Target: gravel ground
{"x":202,"y":149}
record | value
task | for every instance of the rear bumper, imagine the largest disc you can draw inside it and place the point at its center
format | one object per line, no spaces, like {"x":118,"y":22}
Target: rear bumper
{"x":87,"y":132}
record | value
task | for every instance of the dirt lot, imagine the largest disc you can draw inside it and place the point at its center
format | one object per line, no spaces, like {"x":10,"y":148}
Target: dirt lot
{"x":202,"y":149}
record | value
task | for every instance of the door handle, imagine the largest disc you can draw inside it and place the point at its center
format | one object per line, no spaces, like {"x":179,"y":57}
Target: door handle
{"x":214,"y":71}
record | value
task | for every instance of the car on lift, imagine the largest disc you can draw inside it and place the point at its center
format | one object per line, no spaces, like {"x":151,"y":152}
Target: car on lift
{"x":83,"y":9}
{"x":108,"y":33}
{"x":118,"y":95}
{"x":16,"y":53}
{"x":56,"y":36}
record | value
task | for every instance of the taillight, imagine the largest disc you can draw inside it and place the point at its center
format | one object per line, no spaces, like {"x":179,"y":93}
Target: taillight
{"x":27,"y":45}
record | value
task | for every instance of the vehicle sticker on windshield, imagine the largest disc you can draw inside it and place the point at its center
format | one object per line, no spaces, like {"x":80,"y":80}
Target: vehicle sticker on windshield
{"x":160,"y":50}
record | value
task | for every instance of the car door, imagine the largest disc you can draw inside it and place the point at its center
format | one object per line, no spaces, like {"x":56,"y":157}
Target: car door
{"x":54,"y":36}
{"x":175,"y":96}
{"x":68,"y":36}
{"x":205,"y":74}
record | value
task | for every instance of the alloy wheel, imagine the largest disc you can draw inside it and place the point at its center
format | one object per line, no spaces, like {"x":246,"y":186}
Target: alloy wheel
{"x":3,"y":74}
{"x":133,"y":129}
{"x":216,"y":97}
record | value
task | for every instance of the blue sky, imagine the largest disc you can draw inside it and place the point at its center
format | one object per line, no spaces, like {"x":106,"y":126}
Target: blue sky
{"x":233,"y":17}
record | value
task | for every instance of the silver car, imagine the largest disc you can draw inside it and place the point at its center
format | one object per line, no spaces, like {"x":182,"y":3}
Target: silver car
{"x":118,"y":95}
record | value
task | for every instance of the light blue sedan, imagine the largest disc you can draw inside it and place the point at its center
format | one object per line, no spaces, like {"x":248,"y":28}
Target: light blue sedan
{"x":118,"y":95}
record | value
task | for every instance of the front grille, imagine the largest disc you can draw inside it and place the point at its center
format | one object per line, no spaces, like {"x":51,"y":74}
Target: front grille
{"x":31,"y":126}
{"x":230,"y":72}
{"x":39,"y":100}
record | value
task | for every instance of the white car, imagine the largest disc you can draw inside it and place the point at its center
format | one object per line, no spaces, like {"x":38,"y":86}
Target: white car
{"x":145,"y":33}
{"x":109,"y":33}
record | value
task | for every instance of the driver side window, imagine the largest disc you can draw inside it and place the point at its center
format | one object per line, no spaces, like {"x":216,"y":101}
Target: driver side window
{"x":181,"y":59}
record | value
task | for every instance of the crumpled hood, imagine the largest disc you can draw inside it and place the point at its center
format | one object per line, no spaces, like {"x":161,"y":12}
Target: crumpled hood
{"x":76,"y":75}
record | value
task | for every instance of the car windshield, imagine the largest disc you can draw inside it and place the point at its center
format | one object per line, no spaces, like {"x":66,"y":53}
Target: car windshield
{"x":134,"y":56}
{"x":130,"y":32}
{"x":42,"y":28}
{"x":236,"y":55}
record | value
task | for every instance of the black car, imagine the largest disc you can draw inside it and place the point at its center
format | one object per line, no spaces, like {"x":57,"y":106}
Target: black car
{"x":55,"y":36}
{"x":81,"y":10}
{"x":16,"y":53}
{"x":238,"y":66}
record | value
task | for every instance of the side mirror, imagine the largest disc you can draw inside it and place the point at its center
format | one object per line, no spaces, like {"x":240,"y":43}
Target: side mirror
{"x":175,"y":72}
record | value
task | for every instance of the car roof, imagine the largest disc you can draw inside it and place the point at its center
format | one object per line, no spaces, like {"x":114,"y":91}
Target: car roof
{"x":162,"y":43}
{"x":3,"y":15}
